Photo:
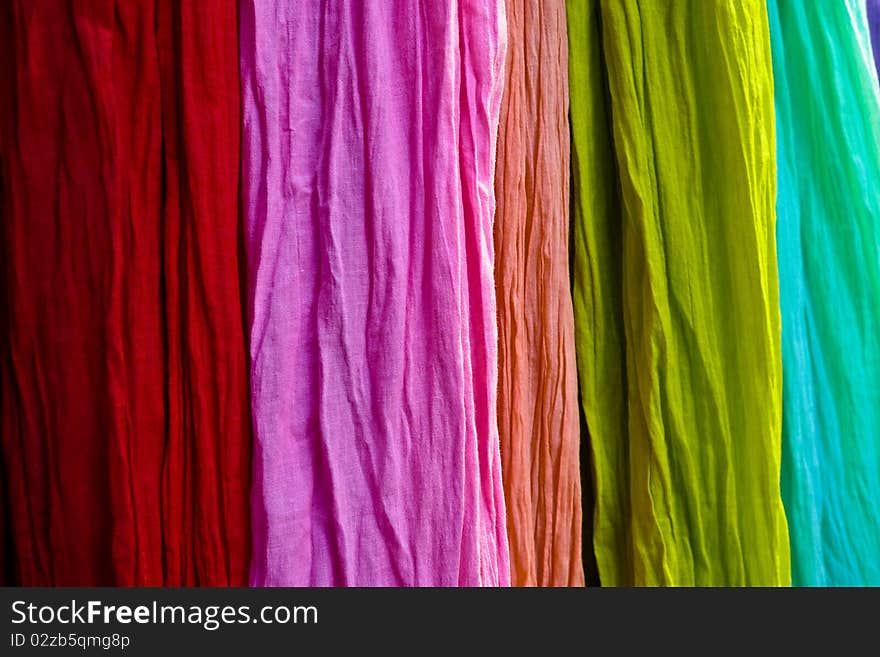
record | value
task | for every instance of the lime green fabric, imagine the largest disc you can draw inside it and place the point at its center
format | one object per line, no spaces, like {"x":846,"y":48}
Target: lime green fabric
{"x":676,"y":289}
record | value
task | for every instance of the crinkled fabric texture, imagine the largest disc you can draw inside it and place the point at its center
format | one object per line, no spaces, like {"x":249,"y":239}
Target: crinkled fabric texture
{"x":368,"y":164}
{"x":7,"y":578}
{"x":874,"y":24}
{"x":537,"y":388}
{"x":828,"y":233}
{"x":674,"y":267}
{"x":125,"y":430}
{"x":7,"y":567}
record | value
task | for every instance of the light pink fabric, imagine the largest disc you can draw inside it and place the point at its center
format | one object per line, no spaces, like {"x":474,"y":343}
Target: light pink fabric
{"x":368,"y":149}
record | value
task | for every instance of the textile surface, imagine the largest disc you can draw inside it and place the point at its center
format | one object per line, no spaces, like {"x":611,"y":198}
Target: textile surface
{"x":369,"y":145}
{"x":125,"y":427}
{"x":874,"y":25}
{"x":674,"y":264}
{"x":537,"y":388}
{"x":828,"y":125}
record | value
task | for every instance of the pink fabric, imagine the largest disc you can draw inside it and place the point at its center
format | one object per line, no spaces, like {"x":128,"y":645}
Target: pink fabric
{"x":369,"y":149}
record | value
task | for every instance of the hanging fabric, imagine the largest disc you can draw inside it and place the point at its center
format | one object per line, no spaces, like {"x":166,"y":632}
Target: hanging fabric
{"x":7,"y":553}
{"x":874,"y":26}
{"x":125,"y":430}
{"x":7,"y":578}
{"x":828,"y":233}
{"x":368,"y":164}
{"x":675,"y":289}
{"x":537,"y":387}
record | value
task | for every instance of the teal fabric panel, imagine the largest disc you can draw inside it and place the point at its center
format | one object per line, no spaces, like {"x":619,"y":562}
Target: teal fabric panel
{"x":828,"y":240}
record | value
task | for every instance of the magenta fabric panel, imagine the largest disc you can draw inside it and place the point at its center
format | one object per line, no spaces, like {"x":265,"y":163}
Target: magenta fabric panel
{"x":368,"y":159}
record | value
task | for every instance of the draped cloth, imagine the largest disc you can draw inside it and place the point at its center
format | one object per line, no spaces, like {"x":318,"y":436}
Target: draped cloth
{"x":828,"y":233}
{"x":537,"y":388}
{"x":7,"y":577}
{"x":874,"y":25}
{"x":675,"y":289}
{"x":7,"y":567}
{"x":369,"y":135}
{"x":125,"y":431}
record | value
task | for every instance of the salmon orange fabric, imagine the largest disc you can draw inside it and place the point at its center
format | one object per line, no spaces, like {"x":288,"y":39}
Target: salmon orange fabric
{"x":537,"y":388}
{"x":368,"y":166}
{"x":674,"y":265}
{"x":125,"y":426}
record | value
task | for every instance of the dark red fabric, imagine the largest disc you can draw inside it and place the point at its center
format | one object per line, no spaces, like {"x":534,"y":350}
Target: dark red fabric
{"x":125,"y":424}
{"x":6,"y":566}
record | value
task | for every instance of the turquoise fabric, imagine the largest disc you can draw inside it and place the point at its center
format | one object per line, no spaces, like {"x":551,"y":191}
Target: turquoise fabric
{"x":828,"y":240}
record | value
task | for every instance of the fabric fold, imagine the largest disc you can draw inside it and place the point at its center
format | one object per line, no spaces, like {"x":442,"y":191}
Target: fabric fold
{"x":537,"y":389}
{"x":676,"y":290}
{"x":874,"y":26}
{"x":125,"y":430}
{"x":368,"y":162}
{"x":828,"y":234}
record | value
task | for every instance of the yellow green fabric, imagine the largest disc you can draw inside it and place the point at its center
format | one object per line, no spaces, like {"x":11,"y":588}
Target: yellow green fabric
{"x":676,"y":290}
